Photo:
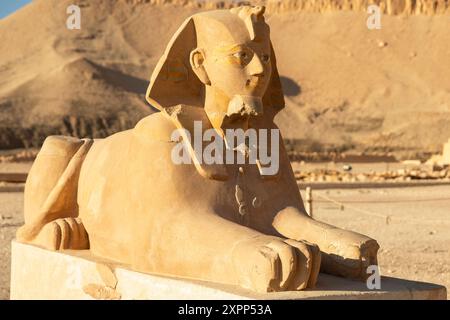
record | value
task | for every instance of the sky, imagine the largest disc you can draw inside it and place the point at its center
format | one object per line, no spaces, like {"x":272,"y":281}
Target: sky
{"x":9,"y":6}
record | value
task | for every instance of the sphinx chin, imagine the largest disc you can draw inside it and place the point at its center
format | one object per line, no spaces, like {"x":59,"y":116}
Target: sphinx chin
{"x":244,"y":105}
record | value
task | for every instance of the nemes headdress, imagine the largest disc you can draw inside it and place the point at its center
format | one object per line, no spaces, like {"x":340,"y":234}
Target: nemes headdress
{"x":173,"y":82}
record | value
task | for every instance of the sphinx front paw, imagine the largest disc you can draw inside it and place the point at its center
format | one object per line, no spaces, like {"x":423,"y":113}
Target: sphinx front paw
{"x":267,"y":264}
{"x":60,"y":234}
{"x":349,"y":255}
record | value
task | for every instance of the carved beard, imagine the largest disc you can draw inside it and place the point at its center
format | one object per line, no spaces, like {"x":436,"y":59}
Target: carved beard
{"x":244,"y":106}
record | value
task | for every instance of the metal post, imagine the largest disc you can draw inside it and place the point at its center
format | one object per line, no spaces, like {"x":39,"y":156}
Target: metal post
{"x":309,"y":201}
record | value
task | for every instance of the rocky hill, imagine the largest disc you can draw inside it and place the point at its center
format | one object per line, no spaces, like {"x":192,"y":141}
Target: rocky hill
{"x":347,"y":88}
{"x":391,"y":7}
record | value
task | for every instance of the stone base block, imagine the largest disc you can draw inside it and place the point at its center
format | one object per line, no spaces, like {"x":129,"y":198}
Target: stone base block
{"x":37,"y":273}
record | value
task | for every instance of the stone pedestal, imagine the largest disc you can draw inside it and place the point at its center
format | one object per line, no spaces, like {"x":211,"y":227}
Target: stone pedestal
{"x":37,"y":273}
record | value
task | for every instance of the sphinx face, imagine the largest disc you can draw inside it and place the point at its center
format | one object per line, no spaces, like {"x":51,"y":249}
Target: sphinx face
{"x":240,"y":68}
{"x":233,"y":60}
{"x":221,"y":61}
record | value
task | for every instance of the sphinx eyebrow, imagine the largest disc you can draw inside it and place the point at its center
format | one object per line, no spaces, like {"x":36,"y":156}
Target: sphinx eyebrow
{"x":230,"y":48}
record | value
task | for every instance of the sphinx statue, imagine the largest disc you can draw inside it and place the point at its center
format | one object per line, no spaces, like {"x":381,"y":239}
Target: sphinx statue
{"x":125,"y":199}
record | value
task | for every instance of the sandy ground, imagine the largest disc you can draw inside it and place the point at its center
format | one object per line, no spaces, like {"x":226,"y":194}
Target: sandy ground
{"x":414,"y":244}
{"x":11,"y":217}
{"x":18,"y":167}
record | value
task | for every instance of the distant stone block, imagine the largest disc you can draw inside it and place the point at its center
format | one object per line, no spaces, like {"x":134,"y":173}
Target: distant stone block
{"x":37,"y":273}
{"x":446,"y":153}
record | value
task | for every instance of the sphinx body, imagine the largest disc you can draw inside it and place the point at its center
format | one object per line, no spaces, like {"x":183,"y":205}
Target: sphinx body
{"x":123,"y":197}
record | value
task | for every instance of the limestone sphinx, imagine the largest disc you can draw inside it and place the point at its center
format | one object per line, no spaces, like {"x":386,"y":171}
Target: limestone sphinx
{"x":124,"y":199}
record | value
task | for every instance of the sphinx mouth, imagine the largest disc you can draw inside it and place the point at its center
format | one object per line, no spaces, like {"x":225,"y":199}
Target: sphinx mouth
{"x":253,"y":82}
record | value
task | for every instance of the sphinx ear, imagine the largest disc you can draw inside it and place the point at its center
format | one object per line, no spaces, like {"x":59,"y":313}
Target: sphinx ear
{"x":197,"y":59}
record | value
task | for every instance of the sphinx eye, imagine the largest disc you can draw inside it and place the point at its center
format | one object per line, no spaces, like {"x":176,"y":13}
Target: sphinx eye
{"x":265,"y":58}
{"x":241,"y":55}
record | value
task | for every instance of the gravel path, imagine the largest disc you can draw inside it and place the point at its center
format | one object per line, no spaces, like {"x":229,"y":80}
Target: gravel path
{"x":11,"y":217}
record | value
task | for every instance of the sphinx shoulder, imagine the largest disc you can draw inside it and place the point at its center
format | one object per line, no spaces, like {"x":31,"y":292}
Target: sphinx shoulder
{"x":155,"y":127}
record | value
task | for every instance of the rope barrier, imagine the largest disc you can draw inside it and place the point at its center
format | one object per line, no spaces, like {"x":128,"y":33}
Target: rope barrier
{"x":392,"y":200}
{"x":387,"y":218}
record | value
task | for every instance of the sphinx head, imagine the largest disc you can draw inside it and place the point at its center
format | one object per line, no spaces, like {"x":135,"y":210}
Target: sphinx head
{"x":221,"y":61}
